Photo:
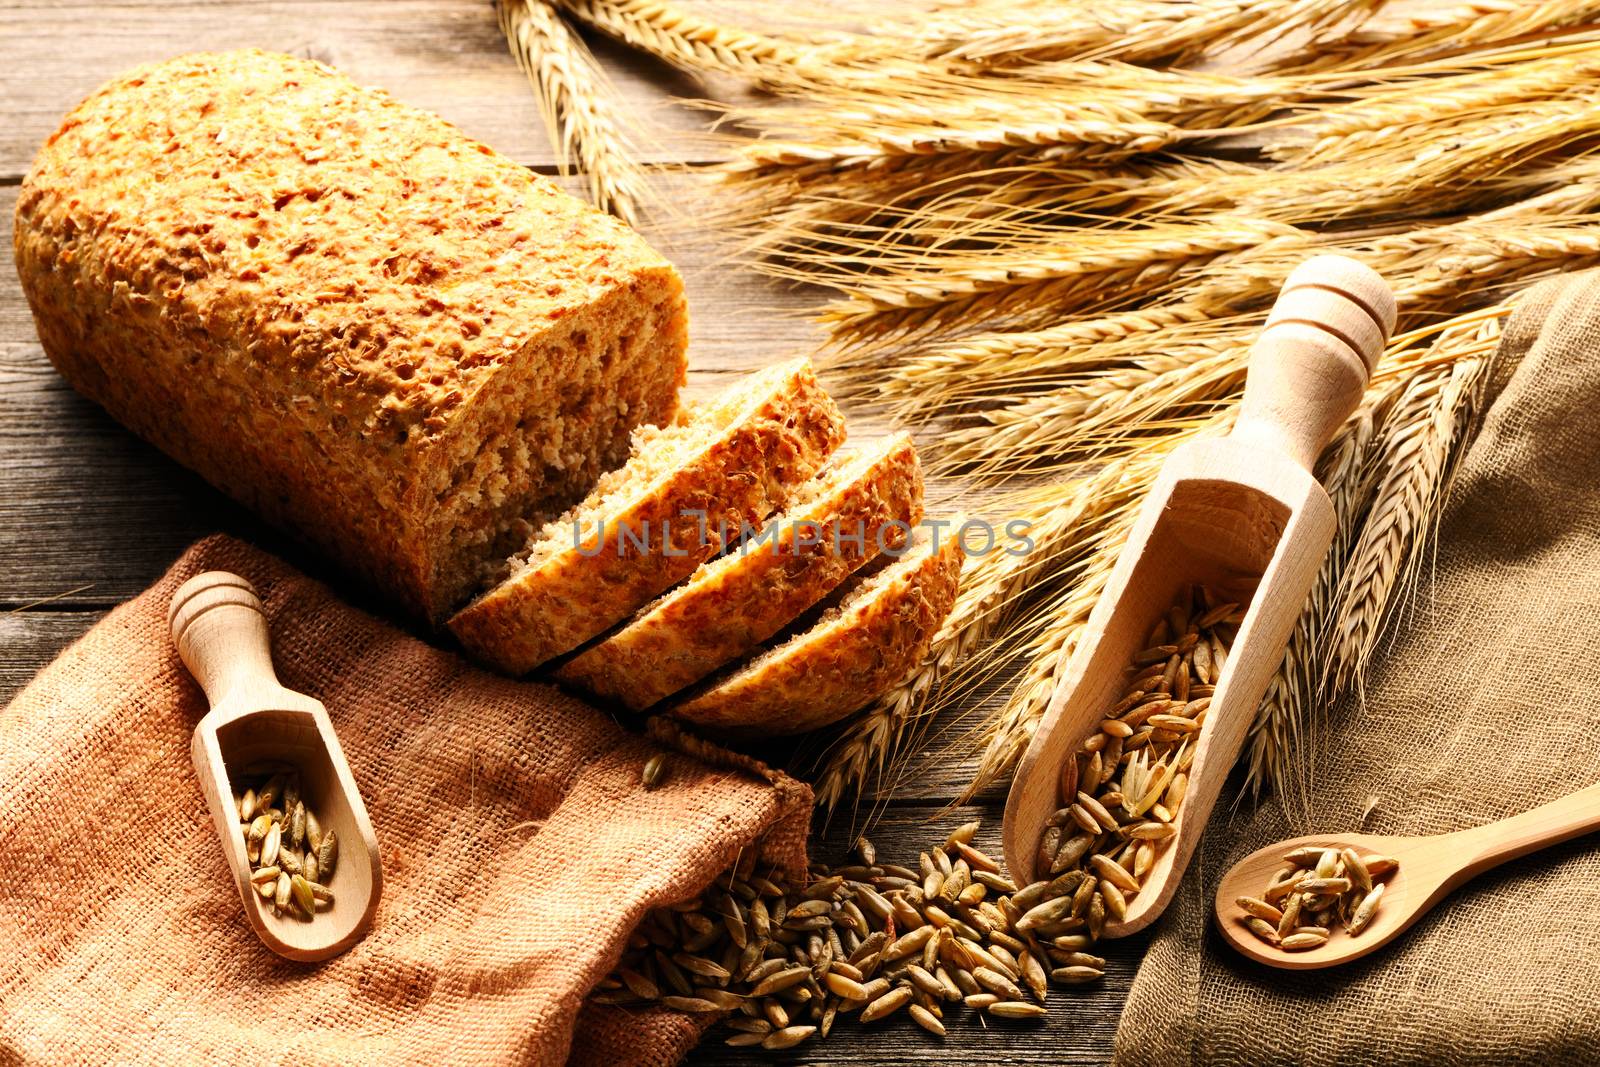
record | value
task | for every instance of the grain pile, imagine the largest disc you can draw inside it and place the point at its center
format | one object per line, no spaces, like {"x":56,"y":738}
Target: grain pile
{"x":292,"y":857}
{"x":1315,"y":889}
{"x":1122,"y":792}
{"x":872,"y":937}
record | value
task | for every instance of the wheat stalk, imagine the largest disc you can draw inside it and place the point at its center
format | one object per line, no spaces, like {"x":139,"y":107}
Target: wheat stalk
{"x":1091,"y":269}
{"x":1092,"y":395}
{"x":1461,"y":149}
{"x":1005,"y":735}
{"x":1181,"y":33}
{"x":996,"y":365}
{"x":1093,"y":137}
{"x":1377,"y":119}
{"x":1443,"y":31}
{"x":691,"y":43}
{"x":989,"y":200}
{"x":1034,"y":257}
{"x":1104,"y":412}
{"x":574,"y":99}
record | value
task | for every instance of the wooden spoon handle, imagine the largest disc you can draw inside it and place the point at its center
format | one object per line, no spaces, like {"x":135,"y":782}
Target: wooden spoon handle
{"x":1549,"y":824}
{"x":221,"y":635}
{"x":1312,"y":362}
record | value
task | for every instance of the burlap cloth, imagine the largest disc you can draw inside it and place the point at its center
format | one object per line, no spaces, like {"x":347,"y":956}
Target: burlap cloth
{"x":518,"y":848}
{"x":1482,"y":704}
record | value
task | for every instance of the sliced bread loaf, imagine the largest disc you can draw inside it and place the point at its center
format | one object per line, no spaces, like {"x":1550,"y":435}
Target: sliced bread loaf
{"x":837,"y":522}
{"x":343,"y":312}
{"x":855,"y":652}
{"x":651,"y":522}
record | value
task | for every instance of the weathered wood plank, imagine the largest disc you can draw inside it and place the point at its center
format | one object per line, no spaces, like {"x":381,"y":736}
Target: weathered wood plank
{"x":443,"y":55}
{"x":33,"y":638}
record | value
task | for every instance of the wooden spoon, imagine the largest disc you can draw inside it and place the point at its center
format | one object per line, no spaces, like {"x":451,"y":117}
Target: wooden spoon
{"x":221,"y":634}
{"x":1242,"y":514}
{"x":1430,"y":867}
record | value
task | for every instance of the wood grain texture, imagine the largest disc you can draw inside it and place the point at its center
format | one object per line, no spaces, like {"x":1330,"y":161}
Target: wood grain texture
{"x":85,"y":507}
{"x":443,"y":55}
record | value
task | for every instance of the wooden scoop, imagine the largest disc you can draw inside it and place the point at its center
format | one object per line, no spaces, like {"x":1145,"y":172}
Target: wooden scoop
{"x":1242,"y":515}
{"x":221,"y":635}
{"x":1430,"y":867}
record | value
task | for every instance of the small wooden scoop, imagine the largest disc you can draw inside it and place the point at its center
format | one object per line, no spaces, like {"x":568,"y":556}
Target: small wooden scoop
{"x":1242,"y":515}
{"x":221,"y":635}
{"x":1430,"y":867}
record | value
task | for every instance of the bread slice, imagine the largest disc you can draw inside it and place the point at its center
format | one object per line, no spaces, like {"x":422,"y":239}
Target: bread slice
{"x":737,"y":601}
{"x":648,"y":524}
{"x":855,"y":652}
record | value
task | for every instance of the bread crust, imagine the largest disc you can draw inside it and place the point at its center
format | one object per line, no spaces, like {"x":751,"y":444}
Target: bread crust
{"x":825,"y":673}
{"x":342,"y":311}
{"x":727,"y":609}
{"x":742,"y":476}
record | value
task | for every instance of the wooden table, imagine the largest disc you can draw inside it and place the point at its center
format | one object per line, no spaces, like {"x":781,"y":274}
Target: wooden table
{"x":89,"y":516}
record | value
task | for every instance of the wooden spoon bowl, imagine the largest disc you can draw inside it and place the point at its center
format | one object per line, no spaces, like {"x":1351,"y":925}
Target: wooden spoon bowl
{"x":254,"y":722}
{"x":1429,"y":869}
{"x":1398,"y":910}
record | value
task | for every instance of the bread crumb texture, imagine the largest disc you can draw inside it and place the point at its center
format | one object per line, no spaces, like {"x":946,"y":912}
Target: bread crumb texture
{"x":862,"y":502}
{"x":737,"y":461}
{"x":342,"y":311}
{"x":854,"y":652}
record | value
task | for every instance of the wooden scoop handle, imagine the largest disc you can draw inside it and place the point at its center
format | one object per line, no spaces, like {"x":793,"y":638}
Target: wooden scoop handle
{"x":1311,"y":364}
{"x":221,"y":635}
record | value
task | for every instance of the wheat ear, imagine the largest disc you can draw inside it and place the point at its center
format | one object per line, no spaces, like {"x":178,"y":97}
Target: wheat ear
{"x":1451,"y":30}
{"x":1419,"y":444}
{"x":1180,"y":33}
{"x":574,"y":97}
{"x":1085,"y":271}
{"x":689,"y":42}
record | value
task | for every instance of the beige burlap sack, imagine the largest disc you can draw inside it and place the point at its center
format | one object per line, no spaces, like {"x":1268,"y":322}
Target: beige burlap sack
{"x":518,"y":848}
{"x":1480,"y":705}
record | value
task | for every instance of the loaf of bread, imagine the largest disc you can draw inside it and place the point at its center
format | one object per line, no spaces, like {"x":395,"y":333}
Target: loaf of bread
{"x":857,"y":650}
{"x":865,"y":500}
{"x":343,"y":312}
{"x":684,"y":490}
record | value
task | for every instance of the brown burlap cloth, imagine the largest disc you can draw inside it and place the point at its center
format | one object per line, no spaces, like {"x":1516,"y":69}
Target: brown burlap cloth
{"x":518,"y":846}
{"x":1481,"y":704}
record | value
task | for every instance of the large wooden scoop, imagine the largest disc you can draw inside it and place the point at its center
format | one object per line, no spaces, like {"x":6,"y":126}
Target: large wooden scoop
{"x":1242,"y":515}
{"x":221,"y":635}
